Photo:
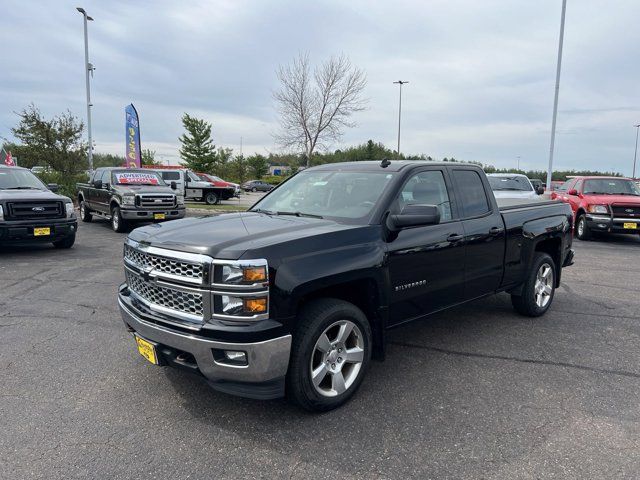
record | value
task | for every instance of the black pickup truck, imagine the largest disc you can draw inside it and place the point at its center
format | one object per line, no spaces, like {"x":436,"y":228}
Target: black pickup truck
{"x":296,"y":295}
{"x":31,"y":211}
{"x":128,"y":196}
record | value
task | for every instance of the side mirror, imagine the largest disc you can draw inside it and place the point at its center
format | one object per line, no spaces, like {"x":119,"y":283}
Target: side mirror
{"x":573,"y":191}
{"x":53,"y":187}
{"x":174,"y":185}
{"x":414,"y":216}
{"x":106,"y":186}
{"x":540,"y":190}
{"x":97,"y":184}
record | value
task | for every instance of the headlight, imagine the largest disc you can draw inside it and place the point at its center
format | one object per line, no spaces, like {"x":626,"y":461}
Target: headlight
{"x":1,"y":213}
{"x":128,"y":200}
{"x":179,"y":199}
{"x":69,"y":208}
{"x":597,"y":209}
{"x":244,"y":306}
{"x":244,"y":274}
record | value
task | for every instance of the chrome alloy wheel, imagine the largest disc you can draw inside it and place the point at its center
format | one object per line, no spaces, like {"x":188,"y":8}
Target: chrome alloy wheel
{"x":115,"y":220}
{"x":337,"y":358}
{"x":82,"y":209}
{"x":544,"y":285}
{"x":581,"y":225}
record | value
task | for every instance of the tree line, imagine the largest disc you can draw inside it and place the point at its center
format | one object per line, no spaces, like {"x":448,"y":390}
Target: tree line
{"x":58,"y":143}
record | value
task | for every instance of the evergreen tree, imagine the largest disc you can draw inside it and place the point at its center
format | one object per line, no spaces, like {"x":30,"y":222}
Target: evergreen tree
{"x":238,"y":169}
{"x":258,"y":166}
{"x":149,"y":158}
{"x":198,"y":150}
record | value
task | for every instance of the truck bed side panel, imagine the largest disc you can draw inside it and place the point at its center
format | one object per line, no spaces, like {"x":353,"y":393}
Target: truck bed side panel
{"x":526,"y":227}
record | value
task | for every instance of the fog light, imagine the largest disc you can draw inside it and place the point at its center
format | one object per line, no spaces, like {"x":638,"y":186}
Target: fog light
{"x":233,"y":356}
{"x":255,"y":305}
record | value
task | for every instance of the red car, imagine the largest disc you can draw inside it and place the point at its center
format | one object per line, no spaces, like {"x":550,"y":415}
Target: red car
{"x":602,"y":204}
{"x":218,"y":182}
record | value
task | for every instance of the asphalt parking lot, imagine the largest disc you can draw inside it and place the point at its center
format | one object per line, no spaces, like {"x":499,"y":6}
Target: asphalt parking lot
{"x":476,"y":392}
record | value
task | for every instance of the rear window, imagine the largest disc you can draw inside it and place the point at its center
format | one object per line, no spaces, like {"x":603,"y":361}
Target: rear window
{"x":471,"y":192}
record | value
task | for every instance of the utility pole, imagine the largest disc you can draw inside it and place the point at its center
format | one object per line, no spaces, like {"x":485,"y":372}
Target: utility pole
{"x":635,"y":155}
{"x":518,"y":157}
{"x":399,"y":82}
{"x":88,"y":69}
{"x":555,"y":98}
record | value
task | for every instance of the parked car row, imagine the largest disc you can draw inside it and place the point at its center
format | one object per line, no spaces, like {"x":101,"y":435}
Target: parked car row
{"x":602,"y":204}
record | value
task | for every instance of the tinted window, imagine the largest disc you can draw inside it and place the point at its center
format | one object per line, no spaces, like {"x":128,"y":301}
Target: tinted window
{"x":610,"y":186}
{"x":106,"y":176}
{"x":473,"y":198}
{"x":426,"y":188}
{"x":515,"y":183}
{"x":171,"y":175}
{"x":578,"y":186}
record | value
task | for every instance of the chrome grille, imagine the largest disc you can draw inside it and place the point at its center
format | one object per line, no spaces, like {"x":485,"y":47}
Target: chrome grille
{"x":183,"y":302}
{"x":156,"y":200}
{"x":179,"y":268}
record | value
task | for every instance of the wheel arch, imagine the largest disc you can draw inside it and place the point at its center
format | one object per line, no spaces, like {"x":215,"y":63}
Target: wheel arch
{"x":364,"y":293}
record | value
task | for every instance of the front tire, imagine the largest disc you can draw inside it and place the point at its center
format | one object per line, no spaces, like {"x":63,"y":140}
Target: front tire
{"x":538,"y":289}
{"x":66,"y":242}
{"x":330,"y":354}
{"x":211,"y":198}
{"x":118,"y":224}
{"x":85,"y":214}
{"x":582,"y":229}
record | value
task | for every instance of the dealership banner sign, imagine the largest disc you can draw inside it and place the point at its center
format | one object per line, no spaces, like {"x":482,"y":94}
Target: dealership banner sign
{"x":136,"y":178}
{"x":132,"y":134}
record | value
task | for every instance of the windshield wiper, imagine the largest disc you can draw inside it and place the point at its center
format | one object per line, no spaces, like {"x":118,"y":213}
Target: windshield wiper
{"x":299,"y":214}
{"x":266,"y":212}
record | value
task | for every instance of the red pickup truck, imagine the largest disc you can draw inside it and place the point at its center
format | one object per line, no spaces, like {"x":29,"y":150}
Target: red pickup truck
{"x":602,"y":204}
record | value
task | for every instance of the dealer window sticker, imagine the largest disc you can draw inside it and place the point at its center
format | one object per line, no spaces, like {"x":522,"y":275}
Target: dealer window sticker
{"x":136,"y":178}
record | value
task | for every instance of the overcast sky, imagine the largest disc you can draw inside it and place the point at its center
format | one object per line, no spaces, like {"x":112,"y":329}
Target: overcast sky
{"x":481,"y":73}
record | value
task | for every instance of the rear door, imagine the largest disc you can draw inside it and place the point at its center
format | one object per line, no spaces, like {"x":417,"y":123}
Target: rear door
{"x":426,"y":263}
{"x":103,"y":195}
{"x":91,"y":190}
{"x":484,"y":234}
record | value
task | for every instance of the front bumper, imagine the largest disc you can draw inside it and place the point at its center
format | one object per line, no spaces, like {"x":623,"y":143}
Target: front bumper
{"x":148,"y":215}
{"x":22,"y":231}
{"x":262,"y":377}
{"x":605,"y":223}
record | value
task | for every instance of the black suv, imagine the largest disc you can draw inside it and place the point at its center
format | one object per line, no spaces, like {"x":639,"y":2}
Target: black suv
{"x":30,"y":211}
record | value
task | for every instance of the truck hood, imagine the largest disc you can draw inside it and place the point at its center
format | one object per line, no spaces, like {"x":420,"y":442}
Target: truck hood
{"x":133,"y":189}
{"x":610,"y":199}
{"x":30,"y":195}
{"x":230,"y":236}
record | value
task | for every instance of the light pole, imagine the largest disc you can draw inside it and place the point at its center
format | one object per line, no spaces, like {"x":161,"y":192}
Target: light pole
{"x":518,"y":157}
{"x":555,"y":98}
{"x":88,"y":69}
{"x":635,"y":155}
{"x":399,"y":82}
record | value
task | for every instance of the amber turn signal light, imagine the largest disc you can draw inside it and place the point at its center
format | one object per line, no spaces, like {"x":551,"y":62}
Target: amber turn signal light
{"x":255,"y":305}
{"x":255,"y":274}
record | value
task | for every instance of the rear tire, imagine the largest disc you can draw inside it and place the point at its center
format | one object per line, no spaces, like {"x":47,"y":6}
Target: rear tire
{"x":582,"y":229}
{"x":118,"y":224}
{"x":538,"y":289}
{"x":211,"y":198}
{"x":330,"y":354}
{"x":66,"y":242}
{"x":85,"y":214}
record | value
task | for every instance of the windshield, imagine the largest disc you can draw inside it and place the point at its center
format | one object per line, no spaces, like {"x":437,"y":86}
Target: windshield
{"x":333,"y":194}
{"x":210,"y":178}
{"x":610,"y":186}
{"x":11,"y":179}
{"x":136,"y":177}
{"x":510,"y":183}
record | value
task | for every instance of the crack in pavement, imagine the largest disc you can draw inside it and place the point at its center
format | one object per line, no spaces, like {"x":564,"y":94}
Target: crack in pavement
{"x":576,"y":366}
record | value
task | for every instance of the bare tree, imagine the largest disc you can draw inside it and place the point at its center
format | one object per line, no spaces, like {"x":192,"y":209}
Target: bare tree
{"x":316,"y":108}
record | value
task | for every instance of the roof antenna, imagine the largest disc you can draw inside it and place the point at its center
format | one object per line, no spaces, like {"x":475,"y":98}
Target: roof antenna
{"x":385,"y":163}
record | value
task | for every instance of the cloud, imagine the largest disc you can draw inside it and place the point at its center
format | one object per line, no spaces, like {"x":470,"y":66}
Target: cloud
{"x":481,"y":73}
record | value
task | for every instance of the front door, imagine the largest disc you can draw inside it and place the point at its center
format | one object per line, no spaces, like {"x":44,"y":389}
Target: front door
{"x":427,"y":263}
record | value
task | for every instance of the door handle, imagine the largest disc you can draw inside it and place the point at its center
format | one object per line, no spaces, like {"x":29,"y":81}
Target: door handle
{"x":454,"y":237}
{"x":495,"y":230}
